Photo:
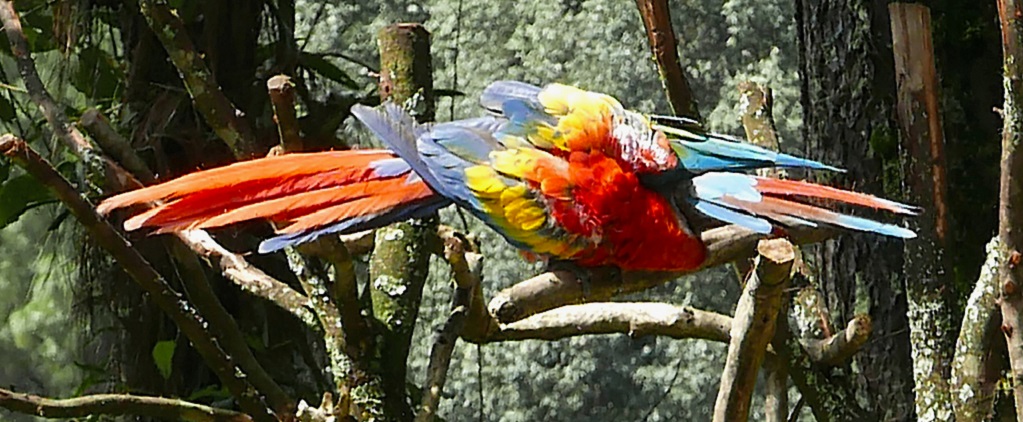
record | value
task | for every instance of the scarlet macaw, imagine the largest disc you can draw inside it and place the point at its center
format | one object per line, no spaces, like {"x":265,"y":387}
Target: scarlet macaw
{"x":559,"y":172}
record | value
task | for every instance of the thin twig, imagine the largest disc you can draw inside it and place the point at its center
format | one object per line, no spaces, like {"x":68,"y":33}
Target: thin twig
{"x":115,"y":145}
{"x":116,"y":405}
{"x":838,"y":348}
{"x":447,"y":336}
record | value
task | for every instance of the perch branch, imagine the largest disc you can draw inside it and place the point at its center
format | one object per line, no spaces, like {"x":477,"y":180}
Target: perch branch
{"x":1010,"y":207}
{"x":753,"y":327}
{"x":116,"y":405}
{"x":663,"y":44}
{"x":188,"y":320}
{"x":209,"y":100}
{"x":553,"y":289}
{"x":635,"y":319}
{"x":980,"y":326}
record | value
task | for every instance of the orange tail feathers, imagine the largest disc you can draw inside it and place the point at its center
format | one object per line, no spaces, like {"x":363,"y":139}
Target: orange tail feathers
{"x":306,"y":191}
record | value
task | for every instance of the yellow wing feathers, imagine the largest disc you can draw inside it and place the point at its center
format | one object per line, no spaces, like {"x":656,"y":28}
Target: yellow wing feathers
{"x":584,"y":118}
{"x":504,"y":196}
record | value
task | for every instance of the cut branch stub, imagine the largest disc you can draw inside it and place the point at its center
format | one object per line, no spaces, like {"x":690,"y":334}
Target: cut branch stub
{"x":753,"y":328}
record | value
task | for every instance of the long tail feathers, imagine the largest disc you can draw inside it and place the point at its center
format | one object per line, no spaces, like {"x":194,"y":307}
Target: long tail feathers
{"x":702,"y":152}
{"x":761,"y":204}
{"x":309,"y":194}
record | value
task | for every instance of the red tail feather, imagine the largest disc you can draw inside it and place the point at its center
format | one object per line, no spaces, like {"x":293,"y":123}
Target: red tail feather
{"x":307,"y":190}
{"x":780,"y":187}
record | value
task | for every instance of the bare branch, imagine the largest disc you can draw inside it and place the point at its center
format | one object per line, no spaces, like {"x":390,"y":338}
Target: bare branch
{"x":1010,"y":225}
{"x":248,"y":277}
{"x":282,"y":96}
{"x":114,"y":144}
{"x":838,"y":348}
{"x":186,"y":317}
{"x":553,"y":289}
{"x":753,"y":327}
{"x":447,"y":336}
{"x":54,"y":113}
{"x":116,"y":405}
{"x":209,"y":100}
{"x":929,"y":286}
{"x":657,"y":21}
{"x":975,"y":386}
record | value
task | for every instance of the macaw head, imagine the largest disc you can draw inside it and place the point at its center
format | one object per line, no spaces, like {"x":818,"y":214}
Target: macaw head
{"x":644,"y":149}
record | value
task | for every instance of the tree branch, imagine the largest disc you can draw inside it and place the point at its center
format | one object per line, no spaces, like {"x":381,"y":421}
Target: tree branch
{"x":282,"y":96}
{"x":186,"y":317}
{"x":838,"y":348}
{"x":116,"y":405}
{"x":209,"y":100}
{"x":1010,"y":207}
{"x":553,"y":289}
{"x":657,"y":21}
{"x":114,"y":144}
{"x":976,"y":388}
{"x":248,"y":277}
{"x":929,"y":287}
{"x":447,"y":336}
{"x":54,"y":114}
{"x":753,"y":327}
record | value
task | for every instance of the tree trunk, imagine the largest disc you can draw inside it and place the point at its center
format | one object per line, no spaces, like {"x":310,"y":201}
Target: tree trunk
{"x":848,"y":94}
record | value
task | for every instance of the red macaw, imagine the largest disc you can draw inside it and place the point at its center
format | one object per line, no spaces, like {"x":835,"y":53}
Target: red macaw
{"x":560,"y":172}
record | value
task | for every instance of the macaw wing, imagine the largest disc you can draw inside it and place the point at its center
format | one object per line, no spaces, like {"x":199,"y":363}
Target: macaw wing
{"x":511,"y":189}
{"x":555,"y":117}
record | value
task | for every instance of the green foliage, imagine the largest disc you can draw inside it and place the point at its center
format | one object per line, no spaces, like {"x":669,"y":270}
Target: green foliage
{"x":163,"y":357}
{"x":19,"y":195}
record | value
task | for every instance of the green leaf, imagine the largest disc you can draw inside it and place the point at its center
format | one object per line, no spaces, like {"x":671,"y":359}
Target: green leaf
{"x":210,"y":392}
{"x":18,"y":195}
{"x":317,"y":63}
{"x":163,"y":354}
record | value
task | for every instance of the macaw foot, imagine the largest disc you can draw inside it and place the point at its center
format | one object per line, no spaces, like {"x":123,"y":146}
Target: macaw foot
{"x":585,"y":276}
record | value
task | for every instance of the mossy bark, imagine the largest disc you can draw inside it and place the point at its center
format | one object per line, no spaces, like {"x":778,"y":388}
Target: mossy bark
{"x":400,"y":261}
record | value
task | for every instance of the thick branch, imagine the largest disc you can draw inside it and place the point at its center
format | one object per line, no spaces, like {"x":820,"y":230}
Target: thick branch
{"x":186,"y":317}
{"x":553,"y":289}
{"x":209,"y":100}
{"x":929,"y":287}
{"x":976,"y":397}
{"x":400,"y":261}
{"x":753,"y":327}
{"x":116,"y":405}
{"x":657,"y":21}
{"x":1010,"y":209}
